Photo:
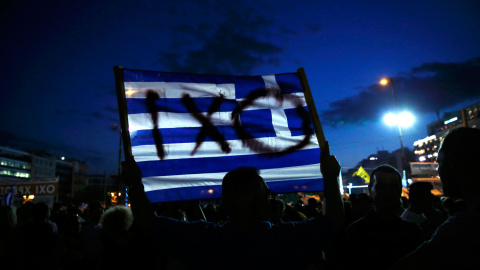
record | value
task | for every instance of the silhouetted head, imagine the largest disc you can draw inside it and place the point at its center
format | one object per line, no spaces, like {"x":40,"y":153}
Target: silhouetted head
{"x":312,"y":202}
{"x":116,"y":221}
{"x":459,"y":162}
{"x":42,"y":211}
{"x":420,"y":194}
{"x":73,"y":224}
{"x":94,"y":211}
{"x":245,"y":196}
{"x":385,"y":187}
{"x":8,"y":219}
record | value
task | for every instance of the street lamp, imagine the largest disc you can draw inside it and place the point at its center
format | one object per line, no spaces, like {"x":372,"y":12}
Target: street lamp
{"x":116,"y":127}
{"x":399,"y":119}
{"x":404,"y":119}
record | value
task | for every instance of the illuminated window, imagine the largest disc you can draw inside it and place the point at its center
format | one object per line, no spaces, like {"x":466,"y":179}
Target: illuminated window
{"x":419,"y":152}
{"x":16,"y":174}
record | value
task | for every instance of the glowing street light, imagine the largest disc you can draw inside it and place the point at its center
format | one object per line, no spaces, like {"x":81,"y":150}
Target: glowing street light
{"x":404,"y":119}
{"x":399,"y":119}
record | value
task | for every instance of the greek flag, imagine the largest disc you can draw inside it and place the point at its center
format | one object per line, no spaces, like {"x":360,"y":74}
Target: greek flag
{"x":188,"y":130}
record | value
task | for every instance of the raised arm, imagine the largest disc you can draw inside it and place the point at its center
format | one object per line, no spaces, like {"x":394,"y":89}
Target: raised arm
{"x":330,"y":169}
{"x":143,"y":212}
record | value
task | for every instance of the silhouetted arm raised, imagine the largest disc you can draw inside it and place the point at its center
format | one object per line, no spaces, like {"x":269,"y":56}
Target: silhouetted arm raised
{"x":330,"y":169}
{"x":143,"y":212}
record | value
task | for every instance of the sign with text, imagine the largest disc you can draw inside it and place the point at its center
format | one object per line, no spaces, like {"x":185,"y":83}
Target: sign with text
{"x":31,"y":188}
{"x":424,"y":168}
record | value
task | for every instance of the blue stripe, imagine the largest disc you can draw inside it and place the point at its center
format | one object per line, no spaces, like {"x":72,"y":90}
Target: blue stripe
{"x":256,"y":122}
{"x":189,"y":135}
{"x":243,"y":84}
{"x":137,"y":105}
{"x":227,"y":163}
{"x":295,"y":122}
{"x":304,"y":185}
{"x":215,"y":192}
{"x":289,"y":83}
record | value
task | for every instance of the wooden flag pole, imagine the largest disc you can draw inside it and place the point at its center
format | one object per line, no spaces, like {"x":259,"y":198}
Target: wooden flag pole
{"x":311,"y":107}
{"x":122,"y":110}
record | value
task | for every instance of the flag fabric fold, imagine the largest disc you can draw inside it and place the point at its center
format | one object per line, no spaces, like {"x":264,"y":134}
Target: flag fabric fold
{"x":363,"y":174}
{"x":188,"y":130}
{"x":7,"y":198}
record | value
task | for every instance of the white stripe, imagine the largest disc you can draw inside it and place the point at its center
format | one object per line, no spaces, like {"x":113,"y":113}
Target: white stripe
{"x":273,"y":89}
{"x":141,"y":121}
{"x":280,"y":123}
{"x":279,"y":118}
{"x":210,"y":179}
{"x":212,"y":149}
{"x":177,"y":89}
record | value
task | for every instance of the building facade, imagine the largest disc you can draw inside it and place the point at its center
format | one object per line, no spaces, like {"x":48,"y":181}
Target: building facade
{"x":15,"y":165}
{"x":40,"y":176}
{"x":426,"y":149}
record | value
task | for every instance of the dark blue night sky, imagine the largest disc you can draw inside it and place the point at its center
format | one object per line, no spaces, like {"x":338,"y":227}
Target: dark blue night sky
{"x":58,"y":90}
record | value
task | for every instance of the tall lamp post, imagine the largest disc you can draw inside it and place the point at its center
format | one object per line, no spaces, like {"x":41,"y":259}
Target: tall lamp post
{"x":116,"y":128}
{"x":397,"y":119}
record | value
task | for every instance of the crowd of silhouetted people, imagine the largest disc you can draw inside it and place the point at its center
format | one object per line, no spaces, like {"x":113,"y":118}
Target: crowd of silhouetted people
{"x":251,"y":228}
{"x":66,"y":237}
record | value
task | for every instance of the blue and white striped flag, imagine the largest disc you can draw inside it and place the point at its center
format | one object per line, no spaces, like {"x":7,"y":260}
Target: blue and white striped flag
{"x":188,"y":130}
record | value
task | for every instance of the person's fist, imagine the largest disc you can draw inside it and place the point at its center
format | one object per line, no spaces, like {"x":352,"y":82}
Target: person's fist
{"x":131,"y":174}
{"x":329,"y":165}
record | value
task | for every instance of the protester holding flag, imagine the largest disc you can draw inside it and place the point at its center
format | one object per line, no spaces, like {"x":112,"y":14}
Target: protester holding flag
{"x":186,"y":131}
{"x":248,"y":240}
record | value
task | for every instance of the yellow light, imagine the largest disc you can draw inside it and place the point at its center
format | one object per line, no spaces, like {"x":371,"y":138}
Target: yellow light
{"x":119,"y":194}
{"x":30,"y":197}
{"x":129,"y":92}
{"x":383,"y":81}
{"x":210,"y":191}
{"x":112,"y":194}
